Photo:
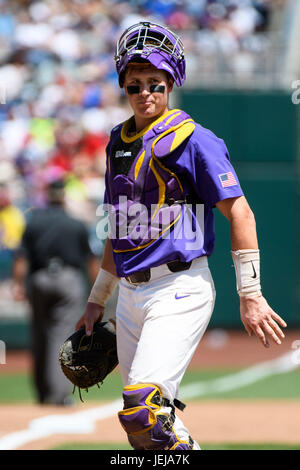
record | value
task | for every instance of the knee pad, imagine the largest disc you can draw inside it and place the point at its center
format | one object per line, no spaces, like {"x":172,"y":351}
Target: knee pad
{"x":148,"y":427}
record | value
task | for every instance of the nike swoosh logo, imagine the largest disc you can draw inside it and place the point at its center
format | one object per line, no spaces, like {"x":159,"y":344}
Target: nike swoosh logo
{"x":181,"y":296}
{"x":254,"y":272}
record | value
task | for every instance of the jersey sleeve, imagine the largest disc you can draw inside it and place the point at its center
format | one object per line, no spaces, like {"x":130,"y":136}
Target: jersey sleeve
{"x":215,"y":176}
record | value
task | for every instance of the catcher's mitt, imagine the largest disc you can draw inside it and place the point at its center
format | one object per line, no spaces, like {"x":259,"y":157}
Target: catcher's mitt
{"x":87,"y":360}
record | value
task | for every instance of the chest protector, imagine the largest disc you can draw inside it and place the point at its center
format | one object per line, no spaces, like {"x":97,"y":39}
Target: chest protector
{"x":146,"y":196}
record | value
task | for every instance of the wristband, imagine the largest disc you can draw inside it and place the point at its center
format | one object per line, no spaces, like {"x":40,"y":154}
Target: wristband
{"x":247,"y":271}
{"x":103,"y":287}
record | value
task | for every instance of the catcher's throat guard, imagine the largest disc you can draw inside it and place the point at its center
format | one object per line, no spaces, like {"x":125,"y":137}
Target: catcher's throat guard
{"x":87,"y":360}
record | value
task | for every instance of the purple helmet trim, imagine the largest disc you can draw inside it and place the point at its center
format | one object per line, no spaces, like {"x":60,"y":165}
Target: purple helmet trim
{"x":154,"y":43}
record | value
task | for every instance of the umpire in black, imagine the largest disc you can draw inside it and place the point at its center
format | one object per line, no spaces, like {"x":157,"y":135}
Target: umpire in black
{"x":55,"y":259}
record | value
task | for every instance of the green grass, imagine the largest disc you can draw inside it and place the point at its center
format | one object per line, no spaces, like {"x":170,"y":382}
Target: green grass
{"x":278,"y":386}
{"x":18,"y":387}
{"x":218,"y":446}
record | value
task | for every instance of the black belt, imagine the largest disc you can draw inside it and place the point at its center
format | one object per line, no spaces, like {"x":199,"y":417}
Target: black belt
{"x":145,"y":276}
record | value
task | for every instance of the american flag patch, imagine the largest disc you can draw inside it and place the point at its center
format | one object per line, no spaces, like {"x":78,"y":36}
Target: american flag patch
{"x":227,"y":179}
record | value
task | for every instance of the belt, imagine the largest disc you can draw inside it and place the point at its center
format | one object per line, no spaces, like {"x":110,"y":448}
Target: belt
{"x":145,"y":276}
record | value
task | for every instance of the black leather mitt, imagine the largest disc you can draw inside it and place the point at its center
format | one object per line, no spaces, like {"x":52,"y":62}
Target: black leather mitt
{"x":87,"y":360}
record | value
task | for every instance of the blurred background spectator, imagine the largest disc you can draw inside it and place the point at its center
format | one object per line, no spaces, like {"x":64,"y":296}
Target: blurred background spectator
{"x":59,"y":91}
{"x":11,"y":221}
{"x":53,"y":268}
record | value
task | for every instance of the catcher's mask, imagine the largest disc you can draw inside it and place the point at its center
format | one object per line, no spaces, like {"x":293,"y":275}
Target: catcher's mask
{"x":155,"y":44}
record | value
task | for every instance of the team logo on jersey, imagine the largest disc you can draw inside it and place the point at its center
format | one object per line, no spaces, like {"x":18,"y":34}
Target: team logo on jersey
{"x":122,"y":153}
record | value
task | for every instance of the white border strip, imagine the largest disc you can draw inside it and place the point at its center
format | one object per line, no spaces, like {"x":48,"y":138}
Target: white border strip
{"x":280,"y":365}
{"x":81,"y":422}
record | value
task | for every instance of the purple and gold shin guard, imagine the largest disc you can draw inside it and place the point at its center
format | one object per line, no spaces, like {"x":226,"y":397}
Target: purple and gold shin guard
{"x":147,"y":426}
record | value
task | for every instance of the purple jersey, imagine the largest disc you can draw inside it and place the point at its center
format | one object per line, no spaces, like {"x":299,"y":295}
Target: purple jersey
{"x":203,"y":167}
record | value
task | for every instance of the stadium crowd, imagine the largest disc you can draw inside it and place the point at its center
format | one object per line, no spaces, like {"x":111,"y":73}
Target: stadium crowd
{"x":59,"y":91}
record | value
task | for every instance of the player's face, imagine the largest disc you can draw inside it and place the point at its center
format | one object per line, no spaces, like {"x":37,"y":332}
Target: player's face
{"x":147,"y":105}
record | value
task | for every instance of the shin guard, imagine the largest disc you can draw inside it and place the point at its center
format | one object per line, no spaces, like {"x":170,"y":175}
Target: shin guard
{"x":148,"y":427}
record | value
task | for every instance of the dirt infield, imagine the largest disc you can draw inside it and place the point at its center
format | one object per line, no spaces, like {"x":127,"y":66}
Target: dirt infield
{"x":208,"y":421}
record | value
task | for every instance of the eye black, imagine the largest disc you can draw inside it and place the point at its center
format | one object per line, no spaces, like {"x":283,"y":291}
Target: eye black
{"x":157,"y":89}
{"x":132,"y":89}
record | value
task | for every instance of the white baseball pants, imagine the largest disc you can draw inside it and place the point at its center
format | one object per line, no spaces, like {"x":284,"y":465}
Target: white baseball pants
{"x":159,"y":325}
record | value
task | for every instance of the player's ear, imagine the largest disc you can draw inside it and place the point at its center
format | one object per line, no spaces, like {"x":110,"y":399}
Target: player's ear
{"x":170,"y":84}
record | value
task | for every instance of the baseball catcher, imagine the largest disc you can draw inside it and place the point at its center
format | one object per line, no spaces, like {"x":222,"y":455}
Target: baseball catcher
{"x":87,"y":360}
{"x":165,"y":175}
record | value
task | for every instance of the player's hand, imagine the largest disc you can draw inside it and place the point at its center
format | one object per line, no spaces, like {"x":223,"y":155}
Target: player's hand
{"x":259,"y":318}
{"x":92,"y":314}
